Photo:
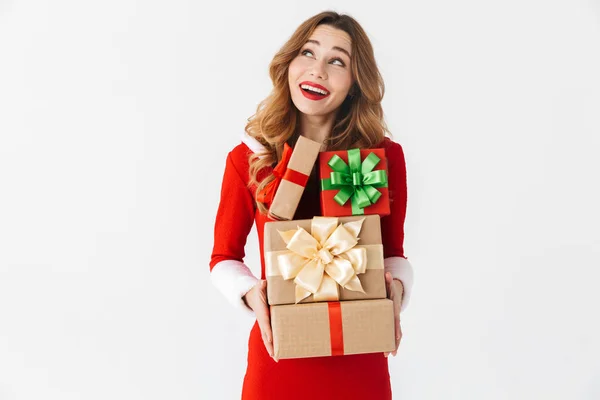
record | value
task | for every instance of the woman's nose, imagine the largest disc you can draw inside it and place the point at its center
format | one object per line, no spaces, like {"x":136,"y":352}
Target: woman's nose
{"x":318,"y":70}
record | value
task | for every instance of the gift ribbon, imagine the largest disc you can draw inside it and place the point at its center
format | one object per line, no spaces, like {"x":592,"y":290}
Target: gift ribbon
{"x":336,"y":331}
{"x":321,"y":260}
{"x":356,"y":180}
{"x":281,"y":171}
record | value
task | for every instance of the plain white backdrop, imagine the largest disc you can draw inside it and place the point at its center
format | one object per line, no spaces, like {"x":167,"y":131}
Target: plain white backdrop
{"x":115,"y":120}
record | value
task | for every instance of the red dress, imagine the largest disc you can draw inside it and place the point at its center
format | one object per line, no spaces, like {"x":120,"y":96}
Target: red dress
{"x":349,"y":377}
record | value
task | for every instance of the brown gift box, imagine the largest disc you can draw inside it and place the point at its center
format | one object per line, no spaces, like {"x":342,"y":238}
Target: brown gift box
{"x":281,"y":291}
{"x":288,"y":193}
{"x":333,"y":328}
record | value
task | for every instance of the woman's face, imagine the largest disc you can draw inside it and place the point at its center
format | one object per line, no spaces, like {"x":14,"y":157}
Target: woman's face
{"x":323,"y":63}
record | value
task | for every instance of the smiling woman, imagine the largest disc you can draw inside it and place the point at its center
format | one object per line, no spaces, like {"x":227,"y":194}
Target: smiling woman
{"x":324,"y":58}
{"x":326,"y":87}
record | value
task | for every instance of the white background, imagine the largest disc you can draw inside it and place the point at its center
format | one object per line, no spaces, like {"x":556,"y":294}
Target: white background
{"x":115,"y":120}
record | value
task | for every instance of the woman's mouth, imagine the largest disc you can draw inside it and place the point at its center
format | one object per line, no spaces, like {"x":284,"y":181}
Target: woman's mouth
{"x":313,"y":93}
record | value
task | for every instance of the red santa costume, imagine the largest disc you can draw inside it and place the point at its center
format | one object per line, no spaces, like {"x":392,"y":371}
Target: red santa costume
{"x":348,"y":377}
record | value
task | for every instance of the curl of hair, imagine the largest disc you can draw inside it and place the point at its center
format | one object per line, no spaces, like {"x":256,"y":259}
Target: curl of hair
{"x":359,"y":121}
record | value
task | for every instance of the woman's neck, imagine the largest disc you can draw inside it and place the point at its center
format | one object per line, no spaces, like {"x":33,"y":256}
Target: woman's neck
{"x":316,"y":127}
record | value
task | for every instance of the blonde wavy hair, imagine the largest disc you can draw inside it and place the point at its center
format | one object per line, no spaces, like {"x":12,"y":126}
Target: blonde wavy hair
{"x":359,"y":121}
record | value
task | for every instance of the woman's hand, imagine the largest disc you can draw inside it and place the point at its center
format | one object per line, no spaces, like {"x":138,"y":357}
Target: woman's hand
{"x":394,"y":290}
{"x":256,"y":299}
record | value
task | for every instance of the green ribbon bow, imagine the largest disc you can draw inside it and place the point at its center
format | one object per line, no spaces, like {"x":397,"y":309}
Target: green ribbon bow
{"x":357,"y":182}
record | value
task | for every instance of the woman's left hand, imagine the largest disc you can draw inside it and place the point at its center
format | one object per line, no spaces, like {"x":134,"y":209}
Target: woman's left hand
{"x":394,"y":290}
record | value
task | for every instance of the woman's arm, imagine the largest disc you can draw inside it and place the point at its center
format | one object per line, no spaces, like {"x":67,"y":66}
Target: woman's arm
{"x":392,"y":226}
{"x":234,"y":220}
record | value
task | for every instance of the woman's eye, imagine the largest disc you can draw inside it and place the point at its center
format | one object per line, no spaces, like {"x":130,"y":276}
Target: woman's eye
{"x":341,"y":63}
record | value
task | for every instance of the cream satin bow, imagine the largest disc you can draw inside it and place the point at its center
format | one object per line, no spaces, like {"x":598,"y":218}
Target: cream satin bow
{"x":320,"y":260}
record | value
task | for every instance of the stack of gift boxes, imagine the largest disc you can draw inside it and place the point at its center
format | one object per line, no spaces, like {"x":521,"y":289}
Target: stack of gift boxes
{"x":325,"y":276}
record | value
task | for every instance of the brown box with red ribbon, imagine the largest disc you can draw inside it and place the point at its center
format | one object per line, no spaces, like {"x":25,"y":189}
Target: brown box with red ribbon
{"x":354,"y":182}
{"x":324,"y":259}
{"x":333,"y":328}
{"x":291,"y":176}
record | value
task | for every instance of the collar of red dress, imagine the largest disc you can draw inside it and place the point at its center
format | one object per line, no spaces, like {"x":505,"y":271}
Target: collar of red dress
{"x":254,"y":145}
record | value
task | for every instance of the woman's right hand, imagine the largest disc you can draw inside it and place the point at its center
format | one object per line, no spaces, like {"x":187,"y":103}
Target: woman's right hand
{"x":256,"y":299}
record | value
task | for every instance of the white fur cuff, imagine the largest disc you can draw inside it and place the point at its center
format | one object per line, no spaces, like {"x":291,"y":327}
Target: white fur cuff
{"x":234,"y":279}
{"x":401,"y":269}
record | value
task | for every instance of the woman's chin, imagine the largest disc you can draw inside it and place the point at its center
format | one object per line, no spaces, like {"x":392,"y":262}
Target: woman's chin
{"x":313,"y":110}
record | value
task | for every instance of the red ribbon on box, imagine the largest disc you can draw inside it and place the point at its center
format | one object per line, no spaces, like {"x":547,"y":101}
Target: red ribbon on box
{"x":336,"y":331}
{"x":295,"y":177}
{"x":281,"y":171}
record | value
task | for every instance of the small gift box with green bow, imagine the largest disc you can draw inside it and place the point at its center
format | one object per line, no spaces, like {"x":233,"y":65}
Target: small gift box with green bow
{"x":354,"y":182}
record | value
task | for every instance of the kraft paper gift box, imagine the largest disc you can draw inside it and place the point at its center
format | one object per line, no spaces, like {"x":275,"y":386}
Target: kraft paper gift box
{"x":354,"y":182}
{"x":291,"y":175}
{"x":333,"y":328}
{"x":324,"y":259}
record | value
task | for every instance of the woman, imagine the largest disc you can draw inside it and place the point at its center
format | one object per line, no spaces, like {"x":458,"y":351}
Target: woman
{"x":326,"y":87}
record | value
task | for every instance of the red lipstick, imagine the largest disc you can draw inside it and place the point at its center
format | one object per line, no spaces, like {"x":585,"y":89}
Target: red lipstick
{"x":312,"y":95}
